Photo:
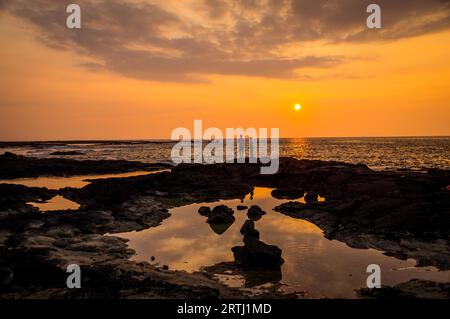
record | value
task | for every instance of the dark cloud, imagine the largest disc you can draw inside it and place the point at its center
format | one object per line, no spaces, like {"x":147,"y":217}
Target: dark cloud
{"x":148,"y":40}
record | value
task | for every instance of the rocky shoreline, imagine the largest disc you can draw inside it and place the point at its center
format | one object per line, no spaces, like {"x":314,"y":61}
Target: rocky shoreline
{"x":404,"y":214}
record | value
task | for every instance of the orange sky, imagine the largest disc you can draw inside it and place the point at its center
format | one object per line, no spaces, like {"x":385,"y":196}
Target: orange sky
{"x":384,"y":87}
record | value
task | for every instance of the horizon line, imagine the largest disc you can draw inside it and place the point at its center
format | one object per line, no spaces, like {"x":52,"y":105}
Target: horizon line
{"x":170,"y":140}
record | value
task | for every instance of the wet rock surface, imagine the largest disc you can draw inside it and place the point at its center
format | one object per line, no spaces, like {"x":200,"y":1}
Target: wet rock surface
{"x":288,"y":193}
{"x":404,"y":214}
{"x":17,"y":166}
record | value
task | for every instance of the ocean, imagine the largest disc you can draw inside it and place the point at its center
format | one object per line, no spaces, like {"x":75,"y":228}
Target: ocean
{"x":380,"y":153}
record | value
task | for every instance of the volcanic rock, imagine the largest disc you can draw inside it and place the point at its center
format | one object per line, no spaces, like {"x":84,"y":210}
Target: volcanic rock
{"x":255,"y":213}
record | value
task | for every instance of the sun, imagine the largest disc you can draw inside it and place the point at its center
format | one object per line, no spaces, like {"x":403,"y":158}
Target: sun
{"x":297,"y":107}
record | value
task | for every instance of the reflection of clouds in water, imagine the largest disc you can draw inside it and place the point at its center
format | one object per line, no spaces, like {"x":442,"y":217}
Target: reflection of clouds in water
{"x":186,"y":237}
{"x":313,"y":263}
{"x":174,"y":245}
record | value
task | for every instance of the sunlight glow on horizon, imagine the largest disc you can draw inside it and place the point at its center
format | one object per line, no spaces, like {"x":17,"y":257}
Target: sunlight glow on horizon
{"x":375,"y":92}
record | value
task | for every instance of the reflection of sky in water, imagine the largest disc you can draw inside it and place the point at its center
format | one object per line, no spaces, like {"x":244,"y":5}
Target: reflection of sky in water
{"x":52,"y":182}
{"x":79,"y":181}
{"x":313,"y":263}
{"x":56,"y":203}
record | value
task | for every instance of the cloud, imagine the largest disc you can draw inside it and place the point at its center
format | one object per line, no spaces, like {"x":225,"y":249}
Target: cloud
{"x":184,"y":41}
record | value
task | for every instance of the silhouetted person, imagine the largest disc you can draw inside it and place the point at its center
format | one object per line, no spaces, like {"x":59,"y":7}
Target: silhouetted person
{"x":241,"y":146}
{"x":251,"y":148}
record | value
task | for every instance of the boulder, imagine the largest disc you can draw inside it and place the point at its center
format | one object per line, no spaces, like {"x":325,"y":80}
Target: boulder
{"x":311,"y":197}
{"x":221,"y":215}
{"x":255,"y":213}
{"x":290,"y":207}
{"x":6,"y":276}
{"x":204,"y":211}
{"x":241,"y":207}
{"x":256,"y":253}
{"x":287,"y":193}
{"x":248,"y":229}
{"x":10,"y":155}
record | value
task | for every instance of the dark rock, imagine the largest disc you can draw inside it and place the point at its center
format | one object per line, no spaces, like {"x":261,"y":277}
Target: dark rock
{"x":287,"y":193}
{"x":6,"y":276}
{"x":222,"y":209}
{"x":291,"y":207}
{"x":403,"y":214}
{"x":221,"y":215}
{"x":255,"y":213}
{"x":14,"y":166}
{"x":256,"y":253}
{"x":311,"y":197}
{"x":66,"y":153}
{"x":15,"y":196}
{"x":254,"y":277}
{"x":204,"y":211}
{"x":241,"y":207}
{"x":9,"y":155}
{"x":221,"y":228}
{"x":248,"y":229}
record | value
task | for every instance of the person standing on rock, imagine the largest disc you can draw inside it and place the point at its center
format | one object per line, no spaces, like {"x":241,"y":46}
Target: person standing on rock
{"x":241,"y":146}
{"x":251,"y":149}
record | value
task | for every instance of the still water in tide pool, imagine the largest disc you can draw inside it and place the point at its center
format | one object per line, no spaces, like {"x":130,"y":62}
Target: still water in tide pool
{"x":58,"y":202}
{"x":313,"y":264}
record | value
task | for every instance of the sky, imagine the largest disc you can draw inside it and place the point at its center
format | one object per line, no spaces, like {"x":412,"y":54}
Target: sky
{"x":140,"y":69}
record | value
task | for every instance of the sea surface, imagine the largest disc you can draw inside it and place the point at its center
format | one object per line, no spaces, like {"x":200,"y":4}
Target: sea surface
{"x":381,"y":153}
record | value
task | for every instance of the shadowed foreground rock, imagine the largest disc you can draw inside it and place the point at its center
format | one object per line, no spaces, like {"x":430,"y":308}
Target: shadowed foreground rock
{"x":404,"y":214}
{"x":248,"y":229}
{"x":287,"y":193}
{"x":16,"y":166}
{"x":221,"y":215}
{"x":256,"y":253}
